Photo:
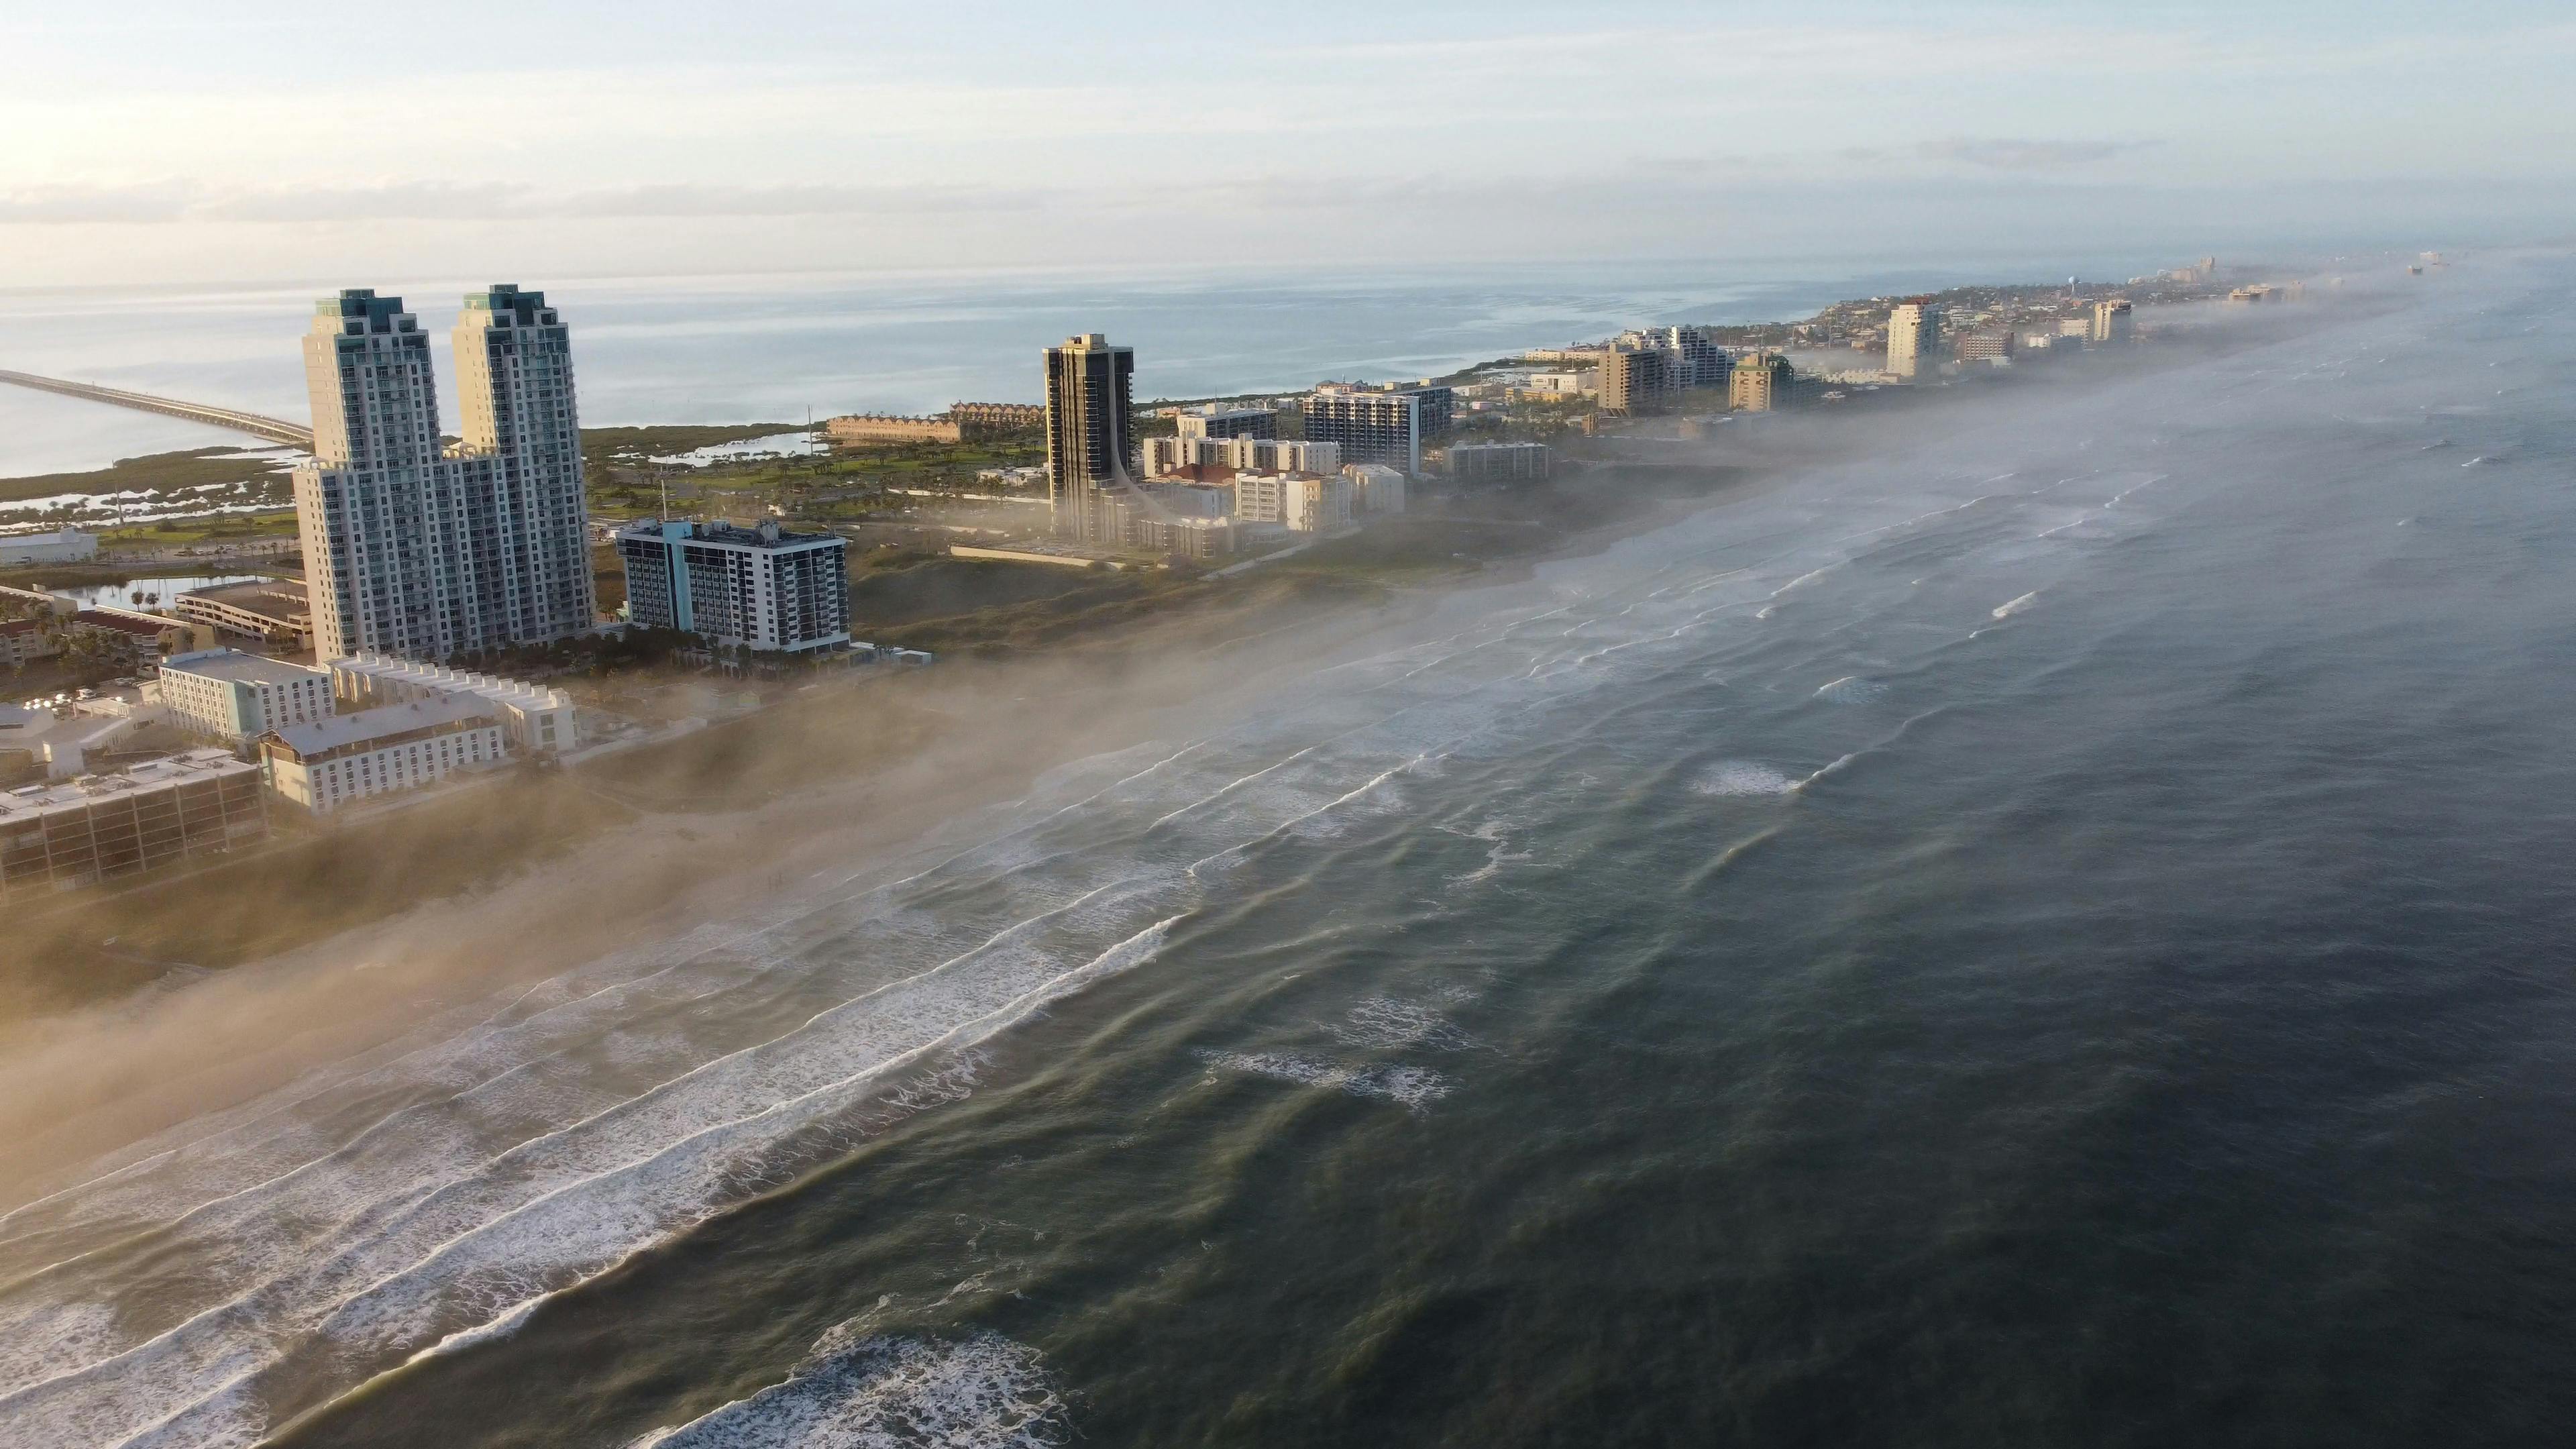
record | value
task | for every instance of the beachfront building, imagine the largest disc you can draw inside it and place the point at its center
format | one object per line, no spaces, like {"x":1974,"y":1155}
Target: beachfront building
{"x":1375,"y":489}
{"x":534,"y":719}
{"x":328,"y":763}
{"x":411,"y":550}
{"x":1166,"y":456}
{"x":1380,"y":425}
{"x":1993,"y":345}
{"x":1762,"y":382}
{"x":1214,"y":421}
{"x":1913,"y":337}
{"x":1091,"y":457}
{"x":235,"y":697}
{"x":1634,"y":380}
{"x":1562,"y":385}
{"x":1498,"y":462}
{"x":1313,"y":504}
{"x":2112,"y":321}
{"x":757,"y":588}
{"x":99,"y":827}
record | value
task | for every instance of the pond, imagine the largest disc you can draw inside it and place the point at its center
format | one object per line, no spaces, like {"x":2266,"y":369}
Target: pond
{"x":150,"y":593}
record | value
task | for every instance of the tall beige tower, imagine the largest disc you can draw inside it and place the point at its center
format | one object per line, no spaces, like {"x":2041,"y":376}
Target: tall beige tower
{"x":1913,"y":336}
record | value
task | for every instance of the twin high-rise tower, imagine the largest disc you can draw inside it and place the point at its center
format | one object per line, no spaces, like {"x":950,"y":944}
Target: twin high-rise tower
{"x":418,"y":550}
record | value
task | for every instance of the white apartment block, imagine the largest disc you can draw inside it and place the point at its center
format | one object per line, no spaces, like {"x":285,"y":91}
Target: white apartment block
{"x":757,"y":588}
{"x":1913,"y":337}
{"x":237,"y":697}
{"x":1312,"y":504}
{"x":1563,"y":384}
{"x":533,"y":719}
{"x":1375,"y":488}
{"x":1165,"y":456}
{"x":416,"y":551}
{"x":1260,"y":497}
{"x":328,"y":763}
{"x":1215,"y":421}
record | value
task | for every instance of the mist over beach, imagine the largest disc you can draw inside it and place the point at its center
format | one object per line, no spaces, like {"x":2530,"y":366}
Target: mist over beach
{"x":1475,"y":725}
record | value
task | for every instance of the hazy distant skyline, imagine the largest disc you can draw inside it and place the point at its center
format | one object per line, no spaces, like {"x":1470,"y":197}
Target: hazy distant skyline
{"x":298,"y":139}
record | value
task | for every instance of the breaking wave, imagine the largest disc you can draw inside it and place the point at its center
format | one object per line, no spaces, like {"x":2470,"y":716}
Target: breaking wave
{"x":877,"y":1391}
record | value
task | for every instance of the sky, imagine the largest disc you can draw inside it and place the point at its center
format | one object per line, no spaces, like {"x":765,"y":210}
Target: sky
{"x":152,"y":142}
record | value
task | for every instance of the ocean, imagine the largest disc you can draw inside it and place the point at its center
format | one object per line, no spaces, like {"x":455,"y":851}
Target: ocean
{"x":773,"y":348}
{"x":2054,"y":933}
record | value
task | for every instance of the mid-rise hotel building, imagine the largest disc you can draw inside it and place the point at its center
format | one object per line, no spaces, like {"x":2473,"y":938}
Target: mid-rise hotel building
{"x":1165,"y":456}
{"x":416,"y":551}
{"x":755,"y":588}
{"x":236,"y":697}
{"x":1913,"y":337}
{"x":1387,"y":427}
{"x":326,"y":763}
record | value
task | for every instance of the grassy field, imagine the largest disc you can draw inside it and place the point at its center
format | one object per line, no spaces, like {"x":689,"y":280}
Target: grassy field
{"x":213,"y":528}
{"x":661,"y":440}
{"x":264,"y":474}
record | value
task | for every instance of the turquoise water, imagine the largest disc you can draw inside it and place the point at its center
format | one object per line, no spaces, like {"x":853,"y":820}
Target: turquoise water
{"x":736,"y":349}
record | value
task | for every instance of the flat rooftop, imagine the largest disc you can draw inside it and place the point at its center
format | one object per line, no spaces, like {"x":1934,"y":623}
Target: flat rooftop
{"x":233,"y":664}
{"x":264,"y":596}
{"x":33,"y":800}
{"x":316,"y":736}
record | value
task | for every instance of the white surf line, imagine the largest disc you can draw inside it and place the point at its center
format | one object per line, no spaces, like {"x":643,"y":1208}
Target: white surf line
{"x":1870,"y":749}
{"x":178,"y":1338}
{"x":659,"y":1091}
{"x":1123,"y":956}
{"x":1275,"y":831}
{"x":477,"y":1036}
{"x":450,"y":1050}
{"x":1229,"y":787}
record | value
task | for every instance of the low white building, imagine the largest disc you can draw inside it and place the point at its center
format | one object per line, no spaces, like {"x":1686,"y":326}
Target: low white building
{"x":328,"y":763}
{"x":1375,"y":488}
{"x":534,"y":719}
{"x":1563,"y":384}
{"x":1315,"y":504}
{"x":237,"y":697}
{"x":1165,"y":456}
{"x":68,"y":545}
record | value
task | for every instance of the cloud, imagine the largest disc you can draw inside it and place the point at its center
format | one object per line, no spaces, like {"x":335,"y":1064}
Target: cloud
{"x":1995,"y":154}
{"x":165,"y":202}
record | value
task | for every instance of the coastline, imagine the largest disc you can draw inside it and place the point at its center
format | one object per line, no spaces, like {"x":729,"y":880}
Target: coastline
{"x":229,"y":1035}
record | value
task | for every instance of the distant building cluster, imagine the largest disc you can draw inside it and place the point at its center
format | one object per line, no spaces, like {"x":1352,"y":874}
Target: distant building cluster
{"x":964,"y":422}
{"x":1667,"y":369}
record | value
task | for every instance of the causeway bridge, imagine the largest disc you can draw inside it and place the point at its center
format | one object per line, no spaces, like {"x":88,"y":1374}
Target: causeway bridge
{"x":275,"y":430}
